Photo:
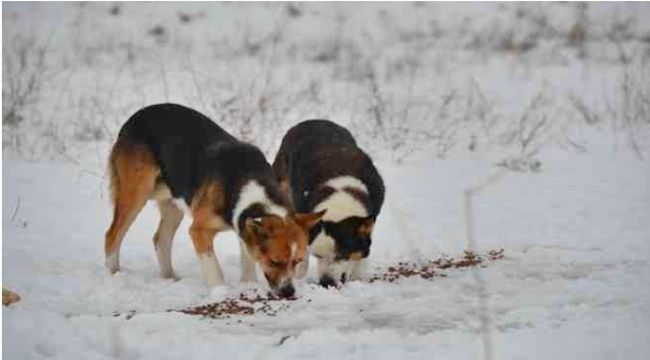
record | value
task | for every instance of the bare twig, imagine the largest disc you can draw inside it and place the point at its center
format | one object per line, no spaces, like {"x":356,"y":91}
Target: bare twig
{"x":13,"y":216}
{"x":470,"y":228}
{"x":190,"y":67}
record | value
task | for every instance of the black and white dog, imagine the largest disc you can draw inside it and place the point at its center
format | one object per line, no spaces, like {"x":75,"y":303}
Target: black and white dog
{"x":321,"y":167}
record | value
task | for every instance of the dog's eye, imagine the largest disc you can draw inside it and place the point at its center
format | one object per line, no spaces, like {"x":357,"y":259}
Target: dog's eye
{"x":278,"y":264}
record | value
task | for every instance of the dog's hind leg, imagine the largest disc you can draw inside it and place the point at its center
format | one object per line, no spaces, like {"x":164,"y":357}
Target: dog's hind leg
{"x":170,"y":219}
{"x":133,"y":176}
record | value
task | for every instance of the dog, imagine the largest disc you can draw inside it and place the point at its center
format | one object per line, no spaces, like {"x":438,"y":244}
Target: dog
{"x":321,"y":168}
{"x":183,"y":160}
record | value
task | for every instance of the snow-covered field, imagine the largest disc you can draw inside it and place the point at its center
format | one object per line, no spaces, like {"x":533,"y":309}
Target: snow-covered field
{"x":438,"y":93}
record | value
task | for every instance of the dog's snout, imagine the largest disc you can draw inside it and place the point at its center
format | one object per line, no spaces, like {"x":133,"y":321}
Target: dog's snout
{"x":287,"y":291}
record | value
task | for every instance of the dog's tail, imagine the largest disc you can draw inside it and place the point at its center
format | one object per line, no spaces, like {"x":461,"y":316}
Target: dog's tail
{"x":114,"y":181}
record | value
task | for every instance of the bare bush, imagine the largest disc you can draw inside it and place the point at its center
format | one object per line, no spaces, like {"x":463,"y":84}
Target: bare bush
{"x":630,"y":109}
{"x":589,"y":116}
{"x":529,"y":130}
{"x":402,"y":88}
{"x":23,"y":73}
{"x":405,"y":123}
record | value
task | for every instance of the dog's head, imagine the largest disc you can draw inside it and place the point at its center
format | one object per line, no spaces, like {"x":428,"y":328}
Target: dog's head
{"x":347,"y":239}
{"x":341,"y":245}
{"x":278,"y":245}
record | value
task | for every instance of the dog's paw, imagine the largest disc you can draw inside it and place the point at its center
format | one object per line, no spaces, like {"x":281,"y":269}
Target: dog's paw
{"x":327,"y":281}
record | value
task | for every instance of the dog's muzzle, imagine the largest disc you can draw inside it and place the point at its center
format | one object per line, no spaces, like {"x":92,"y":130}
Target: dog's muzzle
{"x":286,"y":291}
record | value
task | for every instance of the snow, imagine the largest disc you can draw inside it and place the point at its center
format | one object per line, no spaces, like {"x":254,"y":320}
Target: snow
{"x":573,"y":283}
{"x":576,"y":234}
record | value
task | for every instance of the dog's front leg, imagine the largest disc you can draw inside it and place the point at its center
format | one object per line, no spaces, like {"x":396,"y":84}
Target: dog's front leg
{"x":325,"y":276}
{"x":247,"y":264}
{"x":357,"y":269}
{"x":202,"y":239}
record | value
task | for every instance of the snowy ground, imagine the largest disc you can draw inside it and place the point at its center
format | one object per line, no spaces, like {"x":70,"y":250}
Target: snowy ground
{"x":576,"y":234}
{"x":573,"y":284}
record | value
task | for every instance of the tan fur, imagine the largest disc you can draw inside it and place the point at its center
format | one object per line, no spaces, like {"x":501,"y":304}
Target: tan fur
{"x":207,"y":208}
{"x":282,"y":177}
{"x":269,"y":242}
{"x":133,"y":176}
{"x":285,"y":187}
{"x":307,"y":221}
{"x":202,"y":238}
{"x":365,"y":230}
{"x":276,"y":243}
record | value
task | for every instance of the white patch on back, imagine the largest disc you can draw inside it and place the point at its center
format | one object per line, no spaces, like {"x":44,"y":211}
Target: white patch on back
{"x":250,"y":194}
{"x":341,"y":204}
{"x":341,"y":182}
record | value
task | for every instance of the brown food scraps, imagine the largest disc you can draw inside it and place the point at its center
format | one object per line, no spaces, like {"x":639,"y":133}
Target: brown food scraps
{"x":429,"y":269}
{"x":249,"y":304}
{"x":244,"y":305}
{"x":220,"y":309}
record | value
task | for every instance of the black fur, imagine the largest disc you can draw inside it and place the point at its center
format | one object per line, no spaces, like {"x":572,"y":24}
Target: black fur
{"x":347,"y":239}
{"x":316,"y":151}
{"x":190,"y":148}
{"x":253,"y":211}
{"x":327,"y":281}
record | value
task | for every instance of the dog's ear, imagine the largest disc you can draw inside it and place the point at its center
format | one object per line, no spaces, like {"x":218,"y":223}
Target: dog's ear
{"x":255,"y":231}
{"x":308,"y":220}
{"x":254,"y":226}
{"x":365,"y":228}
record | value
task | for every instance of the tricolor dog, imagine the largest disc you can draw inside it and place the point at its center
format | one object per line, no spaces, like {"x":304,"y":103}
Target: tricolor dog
{"x":182,"y":160}
{"x":322,"y":168}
